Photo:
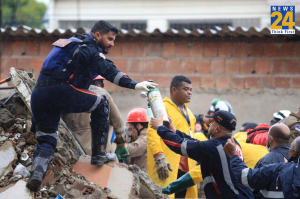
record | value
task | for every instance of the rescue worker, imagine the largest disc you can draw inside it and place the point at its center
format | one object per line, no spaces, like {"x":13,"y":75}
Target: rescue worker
{"x":285,"y":175}
{"x":79,"y":123}
{"x":293,"y":122}
{"x":137,"y":126}
{"x":278,"y":145}
{"x":252,"y":154}
{"x":62,"y":87}
{"x":217,"y":104}
{"x":165,"y":166}
{"x":217,"y":175}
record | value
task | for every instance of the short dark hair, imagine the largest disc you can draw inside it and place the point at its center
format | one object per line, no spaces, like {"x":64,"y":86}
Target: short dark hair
{"x":98,"y":81}
{"x":177,"y":81}
{"x":279,"y":136}
{"x":103,"y":27}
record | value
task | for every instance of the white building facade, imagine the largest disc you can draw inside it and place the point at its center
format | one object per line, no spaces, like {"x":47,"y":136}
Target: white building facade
{"x":162,"y":14}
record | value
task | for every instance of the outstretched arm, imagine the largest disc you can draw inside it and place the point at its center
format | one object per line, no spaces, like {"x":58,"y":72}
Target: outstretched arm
{"x":252,"y":178}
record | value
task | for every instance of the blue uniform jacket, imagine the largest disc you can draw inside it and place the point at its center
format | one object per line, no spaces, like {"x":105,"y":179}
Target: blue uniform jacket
{"x":218,"y":179}
{"x":285,"y":175}
{"x":277,"y":155}
{"x":87,"y":63}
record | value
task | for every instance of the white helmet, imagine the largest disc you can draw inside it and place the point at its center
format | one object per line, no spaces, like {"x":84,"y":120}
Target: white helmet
{"x":282,"y":114}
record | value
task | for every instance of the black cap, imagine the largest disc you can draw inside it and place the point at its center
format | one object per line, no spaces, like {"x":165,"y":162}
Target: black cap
{"x":225,"y":119}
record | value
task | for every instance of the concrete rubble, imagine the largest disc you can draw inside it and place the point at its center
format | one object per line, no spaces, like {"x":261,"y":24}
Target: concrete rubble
{"x":70,"y":173}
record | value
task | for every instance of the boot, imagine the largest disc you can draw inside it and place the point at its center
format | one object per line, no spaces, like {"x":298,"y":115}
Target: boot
{"x":40,"y":165}
{"x":99,"y":140}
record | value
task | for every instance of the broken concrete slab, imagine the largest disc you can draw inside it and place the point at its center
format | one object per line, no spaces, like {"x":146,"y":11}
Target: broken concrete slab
{"x":8,"y":157}
{"x":23,"y":84}
{"x":118,"y":179}
{"x":6,"y":119}
{"x":72,"y":185}
{"x":17,"y":190}
{"x":123,"y":181}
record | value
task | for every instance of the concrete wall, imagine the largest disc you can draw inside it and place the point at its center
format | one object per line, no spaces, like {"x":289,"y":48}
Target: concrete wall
{"x":258,"y":76}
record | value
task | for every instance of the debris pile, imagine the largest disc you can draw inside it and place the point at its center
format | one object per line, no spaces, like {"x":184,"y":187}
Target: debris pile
{"x":70,"y":173}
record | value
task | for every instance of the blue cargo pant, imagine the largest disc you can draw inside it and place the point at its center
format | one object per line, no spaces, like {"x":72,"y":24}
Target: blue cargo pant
{"x":48,"y":102}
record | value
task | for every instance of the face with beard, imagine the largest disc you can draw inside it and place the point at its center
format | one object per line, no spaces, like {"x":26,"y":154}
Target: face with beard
{"x":105,"y":41}
{"x":212,"y":129}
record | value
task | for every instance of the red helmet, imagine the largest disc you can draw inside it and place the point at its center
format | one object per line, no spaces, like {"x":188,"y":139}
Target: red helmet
{"x":137,"y":115}
{"x":99,"y":77}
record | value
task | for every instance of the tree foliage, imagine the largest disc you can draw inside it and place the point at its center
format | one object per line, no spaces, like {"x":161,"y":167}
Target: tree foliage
{"x":23,"y":12}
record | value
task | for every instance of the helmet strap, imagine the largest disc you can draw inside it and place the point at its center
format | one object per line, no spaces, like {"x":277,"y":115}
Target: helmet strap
{"x":138,"y":131}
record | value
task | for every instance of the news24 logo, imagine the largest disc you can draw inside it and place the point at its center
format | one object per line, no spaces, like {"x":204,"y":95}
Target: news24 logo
{"x":282,"y":19}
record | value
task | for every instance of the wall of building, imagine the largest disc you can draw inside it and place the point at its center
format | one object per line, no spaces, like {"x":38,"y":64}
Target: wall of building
{"x":157,"y":13}
{"x":257,"y":76}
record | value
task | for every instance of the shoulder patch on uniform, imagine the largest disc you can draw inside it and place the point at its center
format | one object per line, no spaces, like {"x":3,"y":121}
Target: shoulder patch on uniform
{"x":239,"y":152}
{"x":297,"y":128}
{"x":62,"y":42}
{"x":102,"y":55}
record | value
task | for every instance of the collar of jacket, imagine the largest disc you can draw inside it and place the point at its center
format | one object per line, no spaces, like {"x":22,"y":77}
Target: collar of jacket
{"x":168,"y":100}
{"x":294,"y":159}
{"x":279,"y":147}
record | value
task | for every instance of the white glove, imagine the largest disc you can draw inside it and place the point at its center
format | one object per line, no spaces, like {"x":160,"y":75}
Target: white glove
{"x":144,"y":85}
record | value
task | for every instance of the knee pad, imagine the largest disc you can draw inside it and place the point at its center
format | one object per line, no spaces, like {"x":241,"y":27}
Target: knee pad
{"x":100,"y":114}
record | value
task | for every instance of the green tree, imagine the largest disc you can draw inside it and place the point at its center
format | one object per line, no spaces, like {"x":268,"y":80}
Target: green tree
{"x":23,"y":12}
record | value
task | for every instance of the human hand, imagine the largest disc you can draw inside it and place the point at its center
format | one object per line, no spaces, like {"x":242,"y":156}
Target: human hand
{"x":230,"y":147}
{"x":144,"y":86}
{"x":156,"y":122}
{"x":171,"y":127}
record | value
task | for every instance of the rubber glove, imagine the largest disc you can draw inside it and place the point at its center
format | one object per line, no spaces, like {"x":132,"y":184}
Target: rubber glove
{"x":122,"y":154}
{"x":180,"y":184}
{"x":144,"y":86}
{"x":163,"y":167}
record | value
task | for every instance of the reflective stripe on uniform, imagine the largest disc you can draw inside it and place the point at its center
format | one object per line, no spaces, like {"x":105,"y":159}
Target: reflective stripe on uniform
{"x":101,"y":92}
{"x":244,"y":177}
{"x":208,"y":179}
{"x":96,"y":104}
{"x":272,"y":194}
{"x":183,"y":147}
{"x":40,"y":133}
{"x":118,"y":77}
{"x":225,"y":169}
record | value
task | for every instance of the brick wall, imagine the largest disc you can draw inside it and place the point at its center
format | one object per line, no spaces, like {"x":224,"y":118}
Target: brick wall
{"x":209,"y":63}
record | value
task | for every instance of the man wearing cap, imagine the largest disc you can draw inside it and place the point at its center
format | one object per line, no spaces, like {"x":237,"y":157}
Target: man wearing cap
{"x":217,"y":104}
{"x":219,"y":182}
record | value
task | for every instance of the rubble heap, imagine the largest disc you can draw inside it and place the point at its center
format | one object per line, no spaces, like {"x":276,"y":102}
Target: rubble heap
{"x":17,"y":144}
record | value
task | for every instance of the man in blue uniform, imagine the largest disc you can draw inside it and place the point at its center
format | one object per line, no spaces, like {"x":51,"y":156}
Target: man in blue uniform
{"x":218,"y":179}
{"x":62,"y":87}
{"x":285,"y":175}
{"x":278,"y":145}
